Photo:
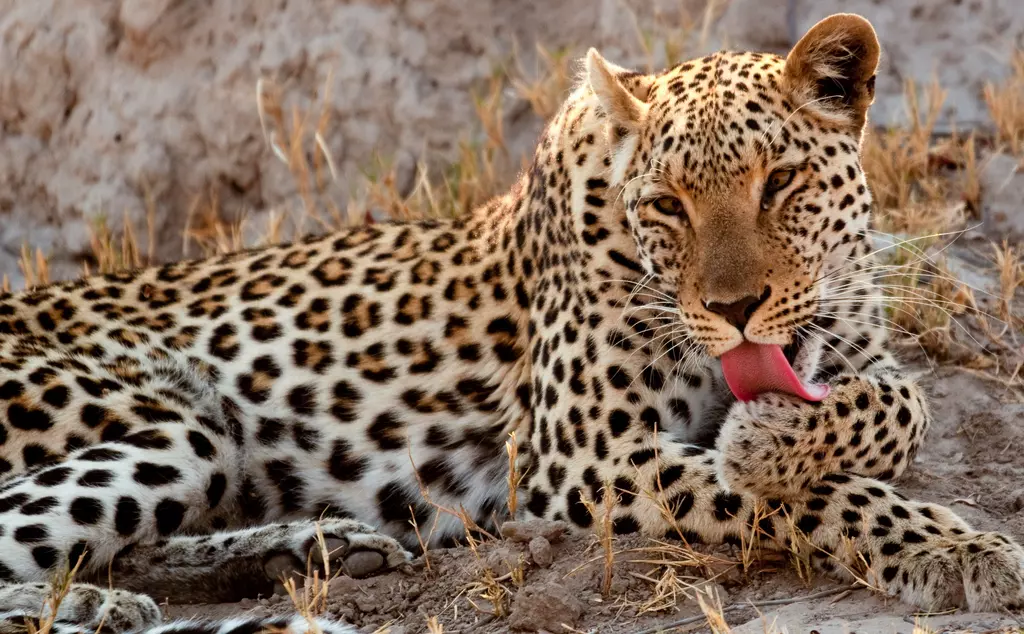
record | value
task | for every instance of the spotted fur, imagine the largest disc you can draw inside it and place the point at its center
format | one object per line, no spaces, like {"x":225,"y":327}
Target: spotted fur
{"x":183,"y":426}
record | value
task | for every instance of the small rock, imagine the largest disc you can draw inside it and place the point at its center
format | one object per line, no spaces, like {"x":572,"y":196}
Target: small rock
{"x":620,"y":585}
{"x":344,"y":587}
{"x":345,"y":613}
{"x":544,"y":606}
{"x":1017,"y":505}
{"x":540,"y":551}
{"x":366,"y":603}
{"x":501,"y":559}
{"x":413,"y":592}
{"x":551,"y":530}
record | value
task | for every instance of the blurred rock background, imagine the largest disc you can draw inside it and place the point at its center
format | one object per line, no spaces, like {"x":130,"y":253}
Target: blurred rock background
{"x":145,"y":111}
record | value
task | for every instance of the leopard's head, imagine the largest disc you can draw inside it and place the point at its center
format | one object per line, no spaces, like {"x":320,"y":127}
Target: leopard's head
{"x":741,"y":177}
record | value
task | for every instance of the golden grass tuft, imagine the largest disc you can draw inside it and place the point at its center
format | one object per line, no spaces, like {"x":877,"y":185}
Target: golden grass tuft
{"x":515,"y":476}
{"x":434,"y":626}
{"x":910,"y":196}
{"x":606,"y":534}
{"x":1009,"y":261}
{"x":34,"y":267}
{"x":297,"y":139}
{"x":547,"y":87}
{"x":1005,"y":101}
{"x":310,"y":600}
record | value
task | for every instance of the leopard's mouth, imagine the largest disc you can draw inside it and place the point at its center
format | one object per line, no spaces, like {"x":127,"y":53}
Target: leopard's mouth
{"x":790,"y":351}
{"x":800,"y":337}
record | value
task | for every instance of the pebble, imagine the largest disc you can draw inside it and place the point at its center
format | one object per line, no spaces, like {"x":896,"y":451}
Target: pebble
{"x":1017,"y":505}
{"x":540,"y":551}
{"x":413,"y":592}
{"x":545,"y":607}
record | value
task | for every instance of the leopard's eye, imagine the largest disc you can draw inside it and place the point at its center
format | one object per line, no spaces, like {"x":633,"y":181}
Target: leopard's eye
{"x":778,"y":180}
{"x":669,"y":206}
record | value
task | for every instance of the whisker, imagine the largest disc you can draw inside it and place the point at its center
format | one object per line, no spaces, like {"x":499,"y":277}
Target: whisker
{"x":899,"y":294}
{"x":893,"y":327}
{"x":946,"y":313}
{"x":834,"y":349}
{"x":901,"y":243}
{"x":899,"y":270}
{"x":855,"y":347}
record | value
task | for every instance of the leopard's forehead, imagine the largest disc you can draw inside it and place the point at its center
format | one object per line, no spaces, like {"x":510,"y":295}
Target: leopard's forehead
{"x":723,"y":76}
{"x":715,"y":119}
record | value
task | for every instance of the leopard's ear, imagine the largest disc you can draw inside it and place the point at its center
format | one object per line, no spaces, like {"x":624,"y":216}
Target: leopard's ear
{"x":621,"y":94}
{"x":831,"y":70}
{"x":617,"y":91}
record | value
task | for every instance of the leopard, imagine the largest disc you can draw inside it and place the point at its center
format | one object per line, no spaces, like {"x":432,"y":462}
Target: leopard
{"x":199,"y":431}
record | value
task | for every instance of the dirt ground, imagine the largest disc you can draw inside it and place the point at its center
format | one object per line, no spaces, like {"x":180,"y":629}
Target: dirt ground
{"x":973,"y":461}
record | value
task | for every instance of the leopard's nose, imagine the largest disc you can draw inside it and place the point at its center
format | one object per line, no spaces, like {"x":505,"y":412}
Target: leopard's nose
{"x":738,"y":312}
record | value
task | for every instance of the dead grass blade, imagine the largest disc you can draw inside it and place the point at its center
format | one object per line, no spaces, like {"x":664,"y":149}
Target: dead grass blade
{"x":1005,"y":101}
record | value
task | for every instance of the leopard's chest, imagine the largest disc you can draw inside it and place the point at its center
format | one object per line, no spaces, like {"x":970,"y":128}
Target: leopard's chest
{"x":609,"y":363}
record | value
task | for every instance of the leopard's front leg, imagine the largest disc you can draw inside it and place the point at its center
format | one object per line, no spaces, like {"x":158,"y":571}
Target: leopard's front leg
{"x":827,"y":460}
{"x":871,"y":424}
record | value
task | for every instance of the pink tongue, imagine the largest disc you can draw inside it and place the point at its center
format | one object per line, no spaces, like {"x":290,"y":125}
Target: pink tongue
{"x":751,"y":369}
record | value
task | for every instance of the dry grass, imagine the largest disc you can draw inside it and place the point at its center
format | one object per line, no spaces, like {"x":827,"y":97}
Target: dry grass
{"x":927,"y":188}
{"x":60,"y":587}
{"x":473,"y":532}
{"x":668,"y":40}
{"x":310,"y":600}
{"x":34,"y":268}
{"x":911,"y":196}
{"x":1005,"y":102}
{"x":434,"y":625}
{"x":677,"y":572}
{"x":923,"y":301}
{"x":116,"y":252}
{"x":497,"y":590}
{"x":419,"y":538}
{"x":606,"y":535}
{"x":711,"y":606}
{"x":296,"y":138}
{"x":548,"y":85}
{"x":1009,"y":261}
{"x":515,"y":476}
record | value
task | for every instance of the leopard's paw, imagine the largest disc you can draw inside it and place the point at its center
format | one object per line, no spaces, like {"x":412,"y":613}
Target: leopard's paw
{"x":983,"y":572}
{"x":993,"y":572}
{"x":354,"y":548}
{"x":930,"y":579}
{"x":83,"y":605}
